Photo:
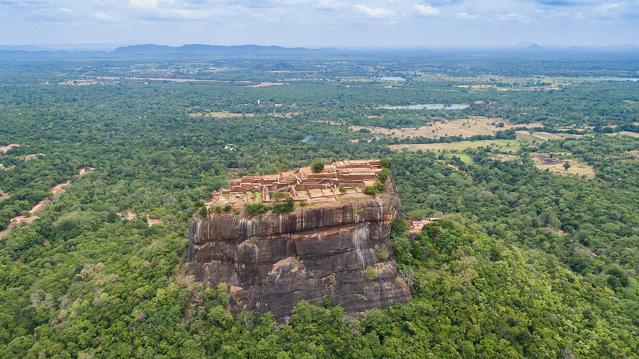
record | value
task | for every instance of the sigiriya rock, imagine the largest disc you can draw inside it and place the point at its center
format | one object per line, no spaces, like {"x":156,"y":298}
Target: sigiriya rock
{"x":309,"y":234}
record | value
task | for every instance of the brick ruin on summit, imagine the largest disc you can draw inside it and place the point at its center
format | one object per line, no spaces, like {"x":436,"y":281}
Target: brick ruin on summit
{"x":338,"y":180}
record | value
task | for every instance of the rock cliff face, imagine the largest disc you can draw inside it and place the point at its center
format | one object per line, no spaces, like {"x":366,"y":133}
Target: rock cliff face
{"x":339,"y":251}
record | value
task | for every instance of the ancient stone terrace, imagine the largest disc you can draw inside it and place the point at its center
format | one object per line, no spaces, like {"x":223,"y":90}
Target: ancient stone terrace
{"x":338,"y":180}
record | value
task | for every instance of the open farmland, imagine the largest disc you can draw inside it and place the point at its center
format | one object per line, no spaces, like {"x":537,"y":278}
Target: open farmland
{"x":510,"y":146}
{"x":474,"y":126}
{"x":530,"y":136}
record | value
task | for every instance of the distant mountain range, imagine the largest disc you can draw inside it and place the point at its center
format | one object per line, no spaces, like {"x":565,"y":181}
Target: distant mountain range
{"x":20,"y":48}
{"x":528,"y":46}
{"x":198,"y":49}
{"x":165,"y":51}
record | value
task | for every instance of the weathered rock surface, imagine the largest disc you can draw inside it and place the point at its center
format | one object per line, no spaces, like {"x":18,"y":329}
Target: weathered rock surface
{"x":339,"y":251}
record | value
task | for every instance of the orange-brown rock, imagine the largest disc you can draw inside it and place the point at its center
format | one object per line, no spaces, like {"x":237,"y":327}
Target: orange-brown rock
{"x":337,"y":250}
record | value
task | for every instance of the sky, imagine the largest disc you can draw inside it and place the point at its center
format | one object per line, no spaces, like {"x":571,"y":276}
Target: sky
{"x":321,"y":23}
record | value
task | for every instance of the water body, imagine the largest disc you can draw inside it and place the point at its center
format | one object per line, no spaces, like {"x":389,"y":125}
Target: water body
{"x":392,"y":79}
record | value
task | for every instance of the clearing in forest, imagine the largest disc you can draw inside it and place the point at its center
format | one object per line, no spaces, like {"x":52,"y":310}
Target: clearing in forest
{"x":9,"y":147}
{"x":129,"y":215}
{"x":543,"y":161}
{"x":284,"y":114}
{"x":504,"y":157}
{"x":85,"y":170}
{"x":4,"y":195}
{"x":509,"y":146}
{"x":31,"y":157}
{"x":625,"y":133}
{"x":219,"y":114}
{"x":473,"y":126}
{"x":464,"y":157}
{"x":266,"y":84}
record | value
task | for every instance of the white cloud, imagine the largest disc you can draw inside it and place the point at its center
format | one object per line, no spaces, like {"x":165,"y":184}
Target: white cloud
{"x":60,"y":14}
{"x":329,"y":5}
{"x":104,"y":18}
{"x":184,"y":10}
{"x":512,"y":16}
{"x":609,"y":6}
{"x":426,"y":10}
{"x":25,"y":4}
{"x":143,"y":4}
{"x":374,"y":12}
{"x":467,"y":16}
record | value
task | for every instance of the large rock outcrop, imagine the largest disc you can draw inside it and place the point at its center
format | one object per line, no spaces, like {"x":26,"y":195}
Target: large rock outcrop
{"x":339,"y":250}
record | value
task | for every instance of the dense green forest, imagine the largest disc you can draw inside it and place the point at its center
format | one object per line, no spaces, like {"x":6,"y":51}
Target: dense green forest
{"x":524,"y":263}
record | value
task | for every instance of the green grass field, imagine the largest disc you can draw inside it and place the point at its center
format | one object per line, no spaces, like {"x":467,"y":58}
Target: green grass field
{"x":464,"y":157}
{"x":508,"y":146}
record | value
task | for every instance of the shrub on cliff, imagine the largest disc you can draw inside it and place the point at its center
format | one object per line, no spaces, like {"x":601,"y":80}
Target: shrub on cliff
{"x":279,"y":195}
{"x":317,"y":166}
{"x":287,"y":207}
{"x":373,"y":190}
{"x":383,"y":175}
{"x":370,"y":273}
{"x":382,"y":253}
{"x":370,"y":190}
{"x":255,"y":209}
